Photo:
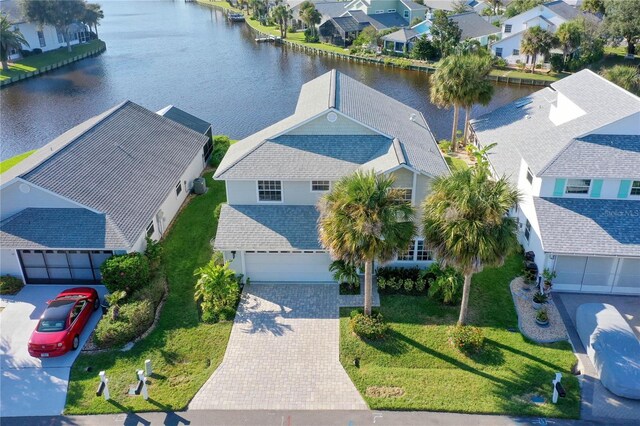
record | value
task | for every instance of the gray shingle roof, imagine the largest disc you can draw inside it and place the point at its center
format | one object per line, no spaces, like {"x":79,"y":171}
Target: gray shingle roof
{"x":401,"y":36}
{"x":563,"y":10}
{"x":348,"y":24}
{"x":124,"y":165}
{"x":36,"y":228}
{"x":186,"y":119}
{"x":272,"y":227}
{"x":363,"y":104}
{"x":382,"y":21}
{"x":447,"y":5}
{"x":598,"y":156}
{"x":523,"y":129}
{"x":412,"y":5}
{"x":472,"y":25}
{"x":317,"y":157}
{"x":589,"y":226}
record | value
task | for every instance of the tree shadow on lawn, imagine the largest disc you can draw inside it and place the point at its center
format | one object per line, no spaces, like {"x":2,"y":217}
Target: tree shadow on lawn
{"x":525,"y":354}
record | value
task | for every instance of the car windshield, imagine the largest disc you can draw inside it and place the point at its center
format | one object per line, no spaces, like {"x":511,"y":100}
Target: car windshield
{"x":55,"y":316}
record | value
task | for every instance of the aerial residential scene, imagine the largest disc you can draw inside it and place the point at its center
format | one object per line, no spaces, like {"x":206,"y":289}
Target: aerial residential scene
{"x":298,"y":212}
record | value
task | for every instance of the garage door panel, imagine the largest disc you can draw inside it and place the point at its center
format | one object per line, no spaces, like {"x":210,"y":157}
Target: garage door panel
{"x":288,"y":267}
{"x":569,"y":272}
{"x":62,"y":267}
{"x":628,"y":279}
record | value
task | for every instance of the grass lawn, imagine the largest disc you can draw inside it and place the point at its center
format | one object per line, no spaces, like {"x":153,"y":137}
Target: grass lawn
{"x":183,"y":350}
{"x":416,"y":357}
{"x":455,"y":164}
{"x":33,"y":63}
{"x":10,"y":162}
{"x":615,"y":56}
{"x":551,"y":76}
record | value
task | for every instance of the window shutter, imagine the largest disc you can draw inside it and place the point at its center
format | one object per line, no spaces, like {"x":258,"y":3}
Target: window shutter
{"x":625,"y":185}
{"x":558,"y":190}
{"x":596,"y":188}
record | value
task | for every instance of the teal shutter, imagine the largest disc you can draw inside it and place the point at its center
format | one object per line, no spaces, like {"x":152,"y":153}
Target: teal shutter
{"x":625,"y":186}
{"x":596,"y":188}
{"x":558,"y":190}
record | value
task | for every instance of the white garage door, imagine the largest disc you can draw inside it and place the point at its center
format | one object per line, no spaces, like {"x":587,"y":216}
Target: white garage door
{"x":597,"y":274}
{"x":284,"y":267}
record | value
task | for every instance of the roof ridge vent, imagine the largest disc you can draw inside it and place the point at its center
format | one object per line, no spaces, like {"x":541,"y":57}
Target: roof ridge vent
{"x":332,"y":88}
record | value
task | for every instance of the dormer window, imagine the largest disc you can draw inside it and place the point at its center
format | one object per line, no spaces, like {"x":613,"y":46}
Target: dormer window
{"x":530,"y":176}
{"x":578,"y":186}
{"x":635,"y":188}
{"x":269,"y":190}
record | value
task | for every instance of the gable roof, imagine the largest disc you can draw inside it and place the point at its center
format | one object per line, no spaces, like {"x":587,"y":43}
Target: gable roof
{"x":380,"y":21}
{"x":412,"y":5}
{"x":186,"y":119}
{"x":336,"y":91}
{"x":472,"y":25}
{"x":447,"y":5}
{"x":123,"y":163}
{"x":579,"y":226}
{"x":60,"y":228}
{"x":403,"y":35}
{"x":523,"y":128}
{"x":348,"y":24}
{"x":562,"y":9}
{"x":598,"y":156}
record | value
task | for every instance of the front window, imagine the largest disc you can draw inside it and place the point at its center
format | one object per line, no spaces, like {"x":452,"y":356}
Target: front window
{"x":406,"y":14}
{"x":409,"y":253}
{"x":391,"y":11}
{"x":178,"y":188}
{"x":422,"y":254}
{"x":529,"y":176}
{"x":527,"y":230}
{"x":207,"y":149}
{"x":499,"y":52}
{"x":578,"y":186}
{"x":320,"y":185}
{"x":150,"y":229}
{"x":406,"y":193}
{"x":515,"y":52}
{"x":507,"y":28}
{"x":416,"y":252}
{"x":635,"y":188}
{"x":41,"y":39}
{"x":60,"y":36}
{"x":379,"y":11}
{"x":269,"y":190}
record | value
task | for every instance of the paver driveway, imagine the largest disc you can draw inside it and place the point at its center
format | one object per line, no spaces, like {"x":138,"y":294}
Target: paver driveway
{"x":283,"y":353}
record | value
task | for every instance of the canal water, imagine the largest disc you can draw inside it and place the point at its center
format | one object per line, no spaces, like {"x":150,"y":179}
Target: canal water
{"x":186,"y":54}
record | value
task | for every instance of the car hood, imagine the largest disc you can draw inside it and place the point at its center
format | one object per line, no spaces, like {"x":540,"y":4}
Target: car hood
{"x":52,"y":337}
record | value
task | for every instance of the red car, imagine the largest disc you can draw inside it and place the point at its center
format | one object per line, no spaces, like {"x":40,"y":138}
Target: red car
{"x":60,"y":325}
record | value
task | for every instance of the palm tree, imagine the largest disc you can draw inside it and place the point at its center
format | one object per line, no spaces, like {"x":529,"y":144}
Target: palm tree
{"x":364,"y":219}
{"x":625,"y":76}
{"x":480,"y":90}
{"x":465,"y":223}
{"x":9,"y":39}
{"x":568,"y":35}
{"x":92,"y":16}
{"x":536,"y":41}
{"x":281,"y":14}
{"x":310,"y":16}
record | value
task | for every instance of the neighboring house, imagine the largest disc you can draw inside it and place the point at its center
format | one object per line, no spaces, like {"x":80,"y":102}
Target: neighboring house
{"x":97,"y":189}
{"x":343,"y":30}
{"x":46,"y":37}
{"x":274,"y":178}
{"x":576,"y":160}
{"x":328,"y":10}
{"x":407,"y":9}
{"x":548,"y":16}
{"x":472,"y":25}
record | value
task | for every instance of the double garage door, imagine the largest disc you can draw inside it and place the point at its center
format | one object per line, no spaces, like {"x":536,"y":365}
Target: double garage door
{"x":288,"y":267}
{"x":62,"y":266}
{"x":597,"y":274}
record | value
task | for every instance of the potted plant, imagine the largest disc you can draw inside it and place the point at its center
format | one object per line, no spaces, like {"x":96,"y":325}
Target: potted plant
{"x":548,"y":276}
{"x":542,"y":317}
{"x":539,"y":299}
{"x":529,"y":279}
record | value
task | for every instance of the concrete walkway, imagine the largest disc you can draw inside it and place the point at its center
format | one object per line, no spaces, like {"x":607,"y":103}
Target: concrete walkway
{"x":283,"y":354}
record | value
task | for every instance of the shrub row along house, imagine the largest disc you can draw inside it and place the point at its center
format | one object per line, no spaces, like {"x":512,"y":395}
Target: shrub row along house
{"x":274,"y":178}
{"x":98,"y":189}
{"x":573,"y":150}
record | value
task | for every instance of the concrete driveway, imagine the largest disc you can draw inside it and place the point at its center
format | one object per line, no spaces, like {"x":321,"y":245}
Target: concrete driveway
{"x":283,"y":353}
{"x":31,"y":386}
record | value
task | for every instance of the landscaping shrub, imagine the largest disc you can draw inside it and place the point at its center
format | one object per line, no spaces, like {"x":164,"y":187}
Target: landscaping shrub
{"x":135,"y":318}
{"x":310,"y":36}
{"x":153,"y":251}
{"x":347,"y":275}
{"x":10,"y":284}
{"x":466,"y":338}
{"x":128,"y":272}
{"x":402,"y":280}
{"x":25,"y":53}
{"x":221,"y":144}
{"x":152,"y":292}
{"x":500,"y":62}
{"x":445,"y":284}
{"x":557,"y":63}
{"x":369,"y":327}
{"x":217,"y":291}
{"x":36,"y":51}
{"x":445,"y":146}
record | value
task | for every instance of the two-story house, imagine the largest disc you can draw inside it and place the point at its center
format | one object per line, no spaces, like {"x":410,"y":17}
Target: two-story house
{"x":573,"y":150}
{"x":100,"y":188}
{"x":548,"y":16}
{"x":274,"y":178}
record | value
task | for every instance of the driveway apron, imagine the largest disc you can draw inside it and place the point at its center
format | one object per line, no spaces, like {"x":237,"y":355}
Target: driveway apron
{"x":283,"y":353}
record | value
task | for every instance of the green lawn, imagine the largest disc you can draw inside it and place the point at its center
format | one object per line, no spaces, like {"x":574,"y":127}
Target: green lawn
{"x":33,"y":63}
{"x":455,"y":164}
{"x":10,"y":162}
{"x":184,"y":351}
{"x":416,"y":357}
{"x":538,"y":75}
{"x":615,"y":56}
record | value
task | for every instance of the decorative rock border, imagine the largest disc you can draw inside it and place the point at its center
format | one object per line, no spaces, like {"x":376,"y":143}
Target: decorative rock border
{"x":47,"y":68}
{"x":554,"y":332}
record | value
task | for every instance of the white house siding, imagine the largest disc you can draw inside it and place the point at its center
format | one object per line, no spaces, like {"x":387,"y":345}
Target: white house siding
{"x":629,"y":125}
{"x":18,"y":196}
{"x":172,"y":203}
{"x":9,"y":263}
{"x":30,"y":33}
{"x":508,"y":45}
{"x":342,"y":126}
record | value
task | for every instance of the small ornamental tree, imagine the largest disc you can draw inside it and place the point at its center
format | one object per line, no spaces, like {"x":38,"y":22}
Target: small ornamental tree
{"x":126,"y":272}
{"x":217,"y":291}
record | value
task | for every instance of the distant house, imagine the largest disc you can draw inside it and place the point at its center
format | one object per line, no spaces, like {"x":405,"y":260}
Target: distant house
{"x":44,"y":38}
{"x":548,"y":16}
{"x":343,"y":30}
{"x":573,"y":151}
{"x":96,"y":190}
{"x":473,"y":27}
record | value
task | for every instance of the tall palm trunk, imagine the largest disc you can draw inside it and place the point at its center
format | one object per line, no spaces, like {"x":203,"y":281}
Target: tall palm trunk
{"x":462,"y":319}
{"x":5,"y":65}
{"x":454,"y":142}
{"x":368,"y":286}
{"x":533,"y":63}
{"x":467,"y":117}
{"x":66,"y":39}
